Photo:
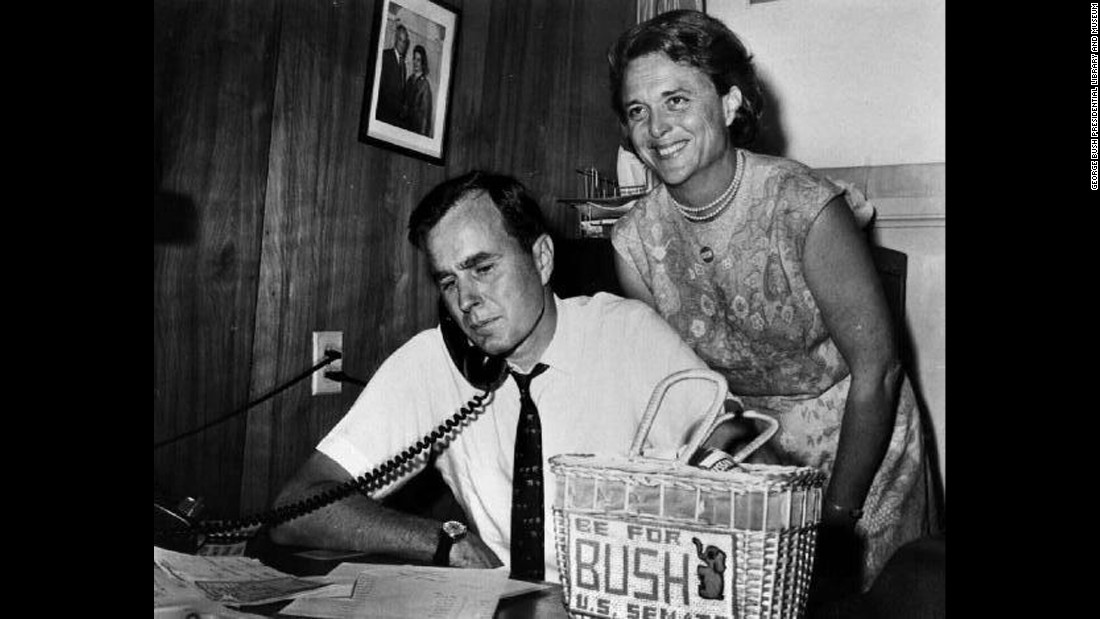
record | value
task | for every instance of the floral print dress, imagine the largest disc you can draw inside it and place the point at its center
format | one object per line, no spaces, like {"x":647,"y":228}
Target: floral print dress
{"x":734,"y":290}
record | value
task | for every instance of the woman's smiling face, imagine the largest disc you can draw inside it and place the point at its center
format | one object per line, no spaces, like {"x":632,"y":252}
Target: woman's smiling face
{"x":676,"y":119}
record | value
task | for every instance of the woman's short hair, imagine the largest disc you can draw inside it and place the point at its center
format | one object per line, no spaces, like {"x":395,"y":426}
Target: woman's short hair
{"x":522,"y":216}
{"x":699,"y":40}
{"x":419,"y":49}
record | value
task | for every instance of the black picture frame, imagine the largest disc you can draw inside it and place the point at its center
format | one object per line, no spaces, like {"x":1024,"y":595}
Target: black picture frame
{"x":411,"y":118}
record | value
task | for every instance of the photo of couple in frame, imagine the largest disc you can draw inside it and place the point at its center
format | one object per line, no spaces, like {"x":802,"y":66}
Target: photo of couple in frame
{"x":408,"y":82}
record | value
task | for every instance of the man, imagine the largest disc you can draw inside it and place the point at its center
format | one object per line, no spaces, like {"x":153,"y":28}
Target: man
{"x":492,"y":260}
{"x":391,"y":87}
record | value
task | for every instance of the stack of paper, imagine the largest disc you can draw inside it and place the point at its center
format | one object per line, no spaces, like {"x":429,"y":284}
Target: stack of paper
{"x":208,"y":584}
{"x":407,"y":591}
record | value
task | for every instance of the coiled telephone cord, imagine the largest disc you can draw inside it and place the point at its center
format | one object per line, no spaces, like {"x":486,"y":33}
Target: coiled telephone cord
{"x":240,"y":529}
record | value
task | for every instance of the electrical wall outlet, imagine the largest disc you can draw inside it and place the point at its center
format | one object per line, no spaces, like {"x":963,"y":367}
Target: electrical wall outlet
{"x":322,"y":341}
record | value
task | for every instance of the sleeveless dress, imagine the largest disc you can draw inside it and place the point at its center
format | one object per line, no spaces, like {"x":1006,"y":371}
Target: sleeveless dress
{"x":749,"y":314}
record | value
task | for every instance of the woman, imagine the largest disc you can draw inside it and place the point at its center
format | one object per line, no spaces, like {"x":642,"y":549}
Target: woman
{"x":418,"y":95}
{"x":758,"y":262}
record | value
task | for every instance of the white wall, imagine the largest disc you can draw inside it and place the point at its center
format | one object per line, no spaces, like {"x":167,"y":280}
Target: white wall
{"x":926,"y":312}
{"x":858,"y":82}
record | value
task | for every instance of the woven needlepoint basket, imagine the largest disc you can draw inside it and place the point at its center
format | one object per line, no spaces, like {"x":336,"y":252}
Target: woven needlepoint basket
{"x":648,"y":538}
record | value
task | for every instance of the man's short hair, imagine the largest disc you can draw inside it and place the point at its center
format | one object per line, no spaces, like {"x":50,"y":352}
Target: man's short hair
{"x":522,"y":216}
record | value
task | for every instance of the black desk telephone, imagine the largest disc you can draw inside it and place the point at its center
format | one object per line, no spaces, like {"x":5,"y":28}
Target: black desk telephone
{"x":483,"y":371}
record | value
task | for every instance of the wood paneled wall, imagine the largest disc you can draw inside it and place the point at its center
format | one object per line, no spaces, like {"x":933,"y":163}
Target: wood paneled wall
{"x":299,"y":227}
{"x":213,"y":75}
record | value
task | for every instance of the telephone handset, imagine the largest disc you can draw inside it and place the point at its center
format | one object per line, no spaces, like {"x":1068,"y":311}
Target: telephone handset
{"x":483,"y":371}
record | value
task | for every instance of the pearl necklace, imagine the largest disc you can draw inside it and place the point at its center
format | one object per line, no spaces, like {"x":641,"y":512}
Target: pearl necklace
{"x":719,"y":204}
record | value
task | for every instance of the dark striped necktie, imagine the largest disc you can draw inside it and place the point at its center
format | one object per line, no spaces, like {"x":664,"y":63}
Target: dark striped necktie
{"x":527,"y":493}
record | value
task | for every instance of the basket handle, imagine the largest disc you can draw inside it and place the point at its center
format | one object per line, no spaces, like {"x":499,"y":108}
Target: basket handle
{"x":658,"y":396}
{"x":747,"y":450}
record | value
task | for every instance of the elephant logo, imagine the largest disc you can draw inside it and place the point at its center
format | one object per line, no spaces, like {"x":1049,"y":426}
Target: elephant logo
{"x":711,"y":582}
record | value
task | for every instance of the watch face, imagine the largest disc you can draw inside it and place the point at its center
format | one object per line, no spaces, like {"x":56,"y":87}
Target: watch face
{"x":455,"y":530}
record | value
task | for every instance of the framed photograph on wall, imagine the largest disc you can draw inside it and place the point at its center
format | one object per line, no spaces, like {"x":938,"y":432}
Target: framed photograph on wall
{"x":409,"y":78}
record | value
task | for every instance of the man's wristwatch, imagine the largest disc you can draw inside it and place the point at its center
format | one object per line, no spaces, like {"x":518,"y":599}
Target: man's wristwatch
{"x":449,"y":533}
